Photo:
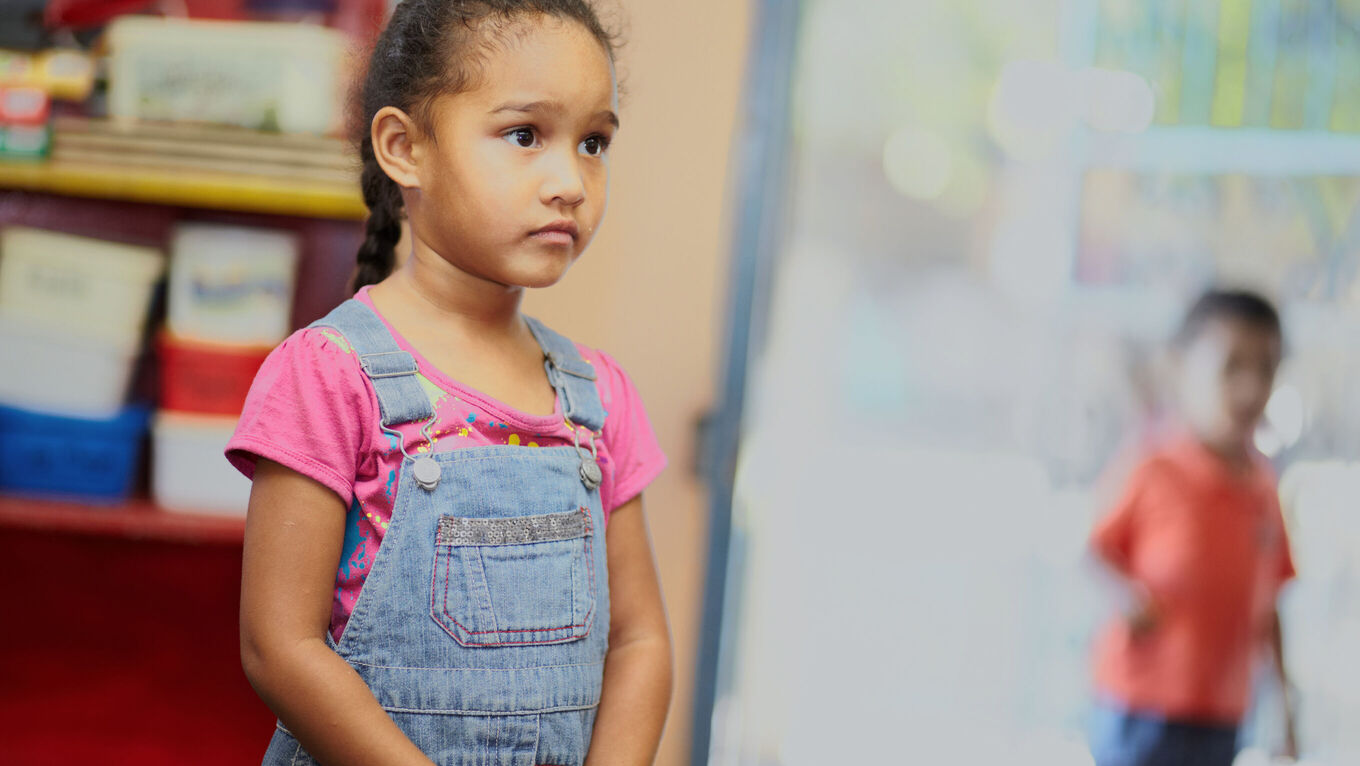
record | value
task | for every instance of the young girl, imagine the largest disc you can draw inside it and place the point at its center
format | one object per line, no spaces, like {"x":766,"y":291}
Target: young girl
{"x":446,"y":558}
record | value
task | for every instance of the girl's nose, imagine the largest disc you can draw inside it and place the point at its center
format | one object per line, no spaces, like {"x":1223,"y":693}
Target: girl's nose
{"x":562,"y":181}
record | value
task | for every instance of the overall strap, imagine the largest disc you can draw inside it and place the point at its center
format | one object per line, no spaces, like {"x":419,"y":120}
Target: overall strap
{"x":571,"y":376}
{"x":391,"y":370}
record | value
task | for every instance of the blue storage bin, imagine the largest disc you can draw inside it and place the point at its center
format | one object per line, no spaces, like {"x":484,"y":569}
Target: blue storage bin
{"x":74,"y":458}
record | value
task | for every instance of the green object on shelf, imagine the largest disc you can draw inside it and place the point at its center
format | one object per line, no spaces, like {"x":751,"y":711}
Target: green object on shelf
{"x":1197,"y":71}
{"x":24,"y":142}
{"x":1168,"y":75}
{"x":1345,"y":117}
{"x":1230,"y":80}
{"x":1288,"y":65}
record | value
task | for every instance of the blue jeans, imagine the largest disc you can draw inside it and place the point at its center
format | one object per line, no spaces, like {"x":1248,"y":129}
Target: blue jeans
{"x":1123,"y":738}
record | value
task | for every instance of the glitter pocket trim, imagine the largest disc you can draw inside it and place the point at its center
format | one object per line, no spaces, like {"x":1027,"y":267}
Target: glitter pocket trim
{"x":514,"y":530}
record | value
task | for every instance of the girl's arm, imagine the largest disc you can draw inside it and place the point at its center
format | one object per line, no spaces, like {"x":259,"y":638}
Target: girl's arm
{"x":637,"y":670}
{"x":294,"y":531}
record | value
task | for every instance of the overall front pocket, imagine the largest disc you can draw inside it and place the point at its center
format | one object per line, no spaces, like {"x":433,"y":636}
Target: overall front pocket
{"x":516,"y":580}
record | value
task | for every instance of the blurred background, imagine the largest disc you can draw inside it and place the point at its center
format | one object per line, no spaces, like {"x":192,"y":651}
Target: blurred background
{"x":894,"y":279}
{"x":994,"y":216}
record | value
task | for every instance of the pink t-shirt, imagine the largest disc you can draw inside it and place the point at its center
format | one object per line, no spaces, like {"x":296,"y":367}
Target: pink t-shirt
{"x":311,"y":409}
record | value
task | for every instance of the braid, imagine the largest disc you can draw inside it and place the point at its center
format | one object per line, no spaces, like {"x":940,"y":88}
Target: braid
{"x":377,"y":255}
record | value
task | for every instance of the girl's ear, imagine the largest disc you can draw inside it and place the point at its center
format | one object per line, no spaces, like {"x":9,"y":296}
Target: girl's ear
{"x":396,"y":141}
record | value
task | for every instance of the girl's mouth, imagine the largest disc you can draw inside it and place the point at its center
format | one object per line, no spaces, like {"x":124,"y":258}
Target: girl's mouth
{"x":559,"y":232}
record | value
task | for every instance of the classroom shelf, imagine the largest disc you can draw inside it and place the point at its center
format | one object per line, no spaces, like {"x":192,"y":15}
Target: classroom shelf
{"x":219,"y":191}
{"x":1214,"y":151}
{"x":137,"y":519}
{"x":129,"y":648}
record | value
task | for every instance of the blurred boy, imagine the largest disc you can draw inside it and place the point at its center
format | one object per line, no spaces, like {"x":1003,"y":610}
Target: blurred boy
{"x":1198,"y":541}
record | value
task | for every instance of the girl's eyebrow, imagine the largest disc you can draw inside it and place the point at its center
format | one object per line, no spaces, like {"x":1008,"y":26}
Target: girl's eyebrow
{"x":552,"y":107}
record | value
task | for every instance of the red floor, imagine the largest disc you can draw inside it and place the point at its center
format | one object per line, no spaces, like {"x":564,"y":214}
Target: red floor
{"x":118,"y":651}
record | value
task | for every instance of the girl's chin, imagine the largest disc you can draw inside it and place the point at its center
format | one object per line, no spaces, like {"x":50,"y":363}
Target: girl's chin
{"x":534,"y":279}
{"x":543,"y":269}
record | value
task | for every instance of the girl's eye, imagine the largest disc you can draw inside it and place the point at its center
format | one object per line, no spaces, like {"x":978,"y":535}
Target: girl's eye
{"x":594,"y":146}
{"x":522,"y":137}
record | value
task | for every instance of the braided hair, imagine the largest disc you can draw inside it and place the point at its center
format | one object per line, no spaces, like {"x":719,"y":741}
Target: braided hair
{"x":428,"y":49}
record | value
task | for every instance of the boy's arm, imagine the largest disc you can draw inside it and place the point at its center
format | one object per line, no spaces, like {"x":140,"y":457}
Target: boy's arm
{"x":1133,"y":601}
{"x":1291,"y":749}
{"x":1112,"y":544}
{"x":294,"y":532}
{"x":637,"y":670}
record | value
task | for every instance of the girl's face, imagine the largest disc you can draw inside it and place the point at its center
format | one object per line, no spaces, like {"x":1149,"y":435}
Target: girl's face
{"x":1227,"y":372}
{"x":514,"y":179}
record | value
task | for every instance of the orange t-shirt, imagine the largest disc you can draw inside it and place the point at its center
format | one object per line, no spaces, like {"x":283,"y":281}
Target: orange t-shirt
{"x":1209,"y":545}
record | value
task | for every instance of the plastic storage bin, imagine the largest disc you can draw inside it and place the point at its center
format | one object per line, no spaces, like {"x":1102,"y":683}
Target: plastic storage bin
{"x":189,"y":472}
{"x":24,"y":105}
{"x":93,"y":287}
{"x":257,"y":75}
{"x":53,"y":369}
{"x":93,"y":460}
{"x":231,"y":284}
{"x":206,"y":378}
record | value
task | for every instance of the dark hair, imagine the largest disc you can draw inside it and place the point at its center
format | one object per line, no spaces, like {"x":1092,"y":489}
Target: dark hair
{"x":1239,"y":305}
{"x":429,"y":48}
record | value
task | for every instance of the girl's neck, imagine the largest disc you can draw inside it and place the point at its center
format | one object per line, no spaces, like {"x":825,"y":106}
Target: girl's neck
{"x":441,"y":289}
{"x":467,"y":328}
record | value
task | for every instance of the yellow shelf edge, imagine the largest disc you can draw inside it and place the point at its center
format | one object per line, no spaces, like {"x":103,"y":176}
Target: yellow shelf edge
{"x":258,"y":194}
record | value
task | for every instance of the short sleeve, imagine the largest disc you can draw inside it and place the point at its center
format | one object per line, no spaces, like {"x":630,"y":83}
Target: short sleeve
{"x":628,"y":436}
{"x":1113,"y":537}
{"x":308,"y":410}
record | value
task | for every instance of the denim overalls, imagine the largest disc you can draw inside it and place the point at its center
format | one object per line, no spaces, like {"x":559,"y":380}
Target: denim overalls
{"x":483,"y":625}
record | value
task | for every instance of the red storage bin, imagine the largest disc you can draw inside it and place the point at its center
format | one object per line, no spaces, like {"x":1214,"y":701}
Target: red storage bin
{"x":24,"y":105}
{"x":206,"y":377}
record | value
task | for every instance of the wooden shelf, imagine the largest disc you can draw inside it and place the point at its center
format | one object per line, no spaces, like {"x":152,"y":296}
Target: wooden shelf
{"x":136,"y":519}
{"x":220,"y":191}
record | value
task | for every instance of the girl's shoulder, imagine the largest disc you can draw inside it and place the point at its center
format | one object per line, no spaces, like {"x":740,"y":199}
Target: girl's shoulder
{"x":313,"y":364}
{"x":611,"y":380}
{"x":634,"y":451}
{"x":309,"y":410}
{"x":323,"y":351}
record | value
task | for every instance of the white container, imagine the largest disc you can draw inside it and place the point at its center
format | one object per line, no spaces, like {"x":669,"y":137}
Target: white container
{"x":259,"y":75}
{"x":58,"y":371}
{"x":189,"y":472}
{"x":88,"y":286}
{"x":232,"y":284}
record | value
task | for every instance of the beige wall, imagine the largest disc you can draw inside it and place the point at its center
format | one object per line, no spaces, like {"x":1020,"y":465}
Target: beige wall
{"x":652,"y":287}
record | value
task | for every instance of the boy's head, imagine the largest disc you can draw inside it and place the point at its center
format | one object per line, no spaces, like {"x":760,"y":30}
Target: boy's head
{"x":1228,"y":349}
